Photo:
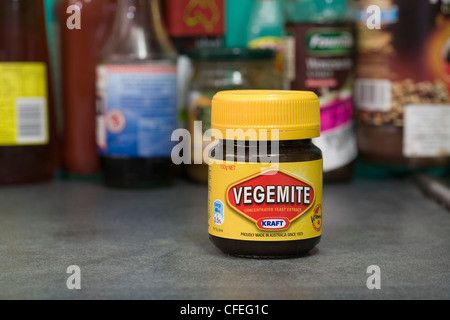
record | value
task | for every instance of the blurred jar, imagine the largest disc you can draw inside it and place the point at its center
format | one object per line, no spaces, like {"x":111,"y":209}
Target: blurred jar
{"x":401,"y":97}
{"x":218,"y":69}
{"x":322,"y":60}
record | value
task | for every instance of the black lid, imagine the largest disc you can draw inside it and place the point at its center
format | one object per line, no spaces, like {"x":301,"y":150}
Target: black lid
{"x":231,"y":54}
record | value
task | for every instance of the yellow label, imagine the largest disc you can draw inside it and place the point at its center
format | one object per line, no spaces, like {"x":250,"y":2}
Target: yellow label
{"x":255,"y":202}
{"x":23,"y":104}
{"x":274,"y":43}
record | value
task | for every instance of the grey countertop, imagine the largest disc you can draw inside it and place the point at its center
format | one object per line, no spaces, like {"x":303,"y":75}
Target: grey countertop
{"x":154,"y":245}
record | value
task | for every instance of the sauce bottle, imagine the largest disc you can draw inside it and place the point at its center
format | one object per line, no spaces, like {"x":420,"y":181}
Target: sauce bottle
{"x":28,"y":151}
{"x":136,"y":99}
{"x":80,"y":50}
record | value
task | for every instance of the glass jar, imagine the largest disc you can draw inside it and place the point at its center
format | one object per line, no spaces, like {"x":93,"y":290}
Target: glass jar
{"x":323,"y":62}
{"x":218,"y":69}
{"x":401,"y":97}
{"x":260,"y":208}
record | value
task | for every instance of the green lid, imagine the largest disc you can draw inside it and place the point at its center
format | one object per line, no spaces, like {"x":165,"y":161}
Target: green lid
{"x":231,"y":54}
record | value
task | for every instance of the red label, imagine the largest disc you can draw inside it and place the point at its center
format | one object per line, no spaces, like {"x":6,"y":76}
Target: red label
{"x":193,"y":18}
{"x":273,"y":199}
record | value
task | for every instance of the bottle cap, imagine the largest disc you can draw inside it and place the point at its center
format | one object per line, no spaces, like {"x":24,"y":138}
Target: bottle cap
{"x":295,"y":114}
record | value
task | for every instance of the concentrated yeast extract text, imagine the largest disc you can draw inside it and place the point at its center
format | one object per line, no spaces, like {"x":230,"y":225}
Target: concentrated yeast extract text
{"x":266,"y":208}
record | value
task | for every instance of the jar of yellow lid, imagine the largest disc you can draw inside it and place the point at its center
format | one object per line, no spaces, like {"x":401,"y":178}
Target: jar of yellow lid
{"x":265,"y":174}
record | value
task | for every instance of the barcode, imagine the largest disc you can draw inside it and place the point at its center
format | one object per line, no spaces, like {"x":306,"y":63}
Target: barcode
{"x":373,"y":95}
{"x":31,"y":119}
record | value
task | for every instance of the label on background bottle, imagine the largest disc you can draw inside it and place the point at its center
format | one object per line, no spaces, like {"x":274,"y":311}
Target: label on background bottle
{"x":426,"y":131}
{"x":324,"y":62}
{"x":136,"y":110}
{"x":338,"y":140}
{"x":247,"y":202}
{"x":23,"y":104}
{"x":274,"y":43}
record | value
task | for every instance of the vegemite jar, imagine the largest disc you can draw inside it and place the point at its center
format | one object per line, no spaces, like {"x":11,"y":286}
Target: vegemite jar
{"x":265,"y":174}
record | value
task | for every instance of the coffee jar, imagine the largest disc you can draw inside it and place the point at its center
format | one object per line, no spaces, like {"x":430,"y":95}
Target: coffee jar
{"x":402,"y":90}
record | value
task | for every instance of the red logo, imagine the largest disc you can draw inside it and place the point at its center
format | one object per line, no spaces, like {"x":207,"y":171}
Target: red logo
{"x":187,"y":18}
{"x":116,"y":121}
{"x":316,"y":219}
{"x":272,"y":199}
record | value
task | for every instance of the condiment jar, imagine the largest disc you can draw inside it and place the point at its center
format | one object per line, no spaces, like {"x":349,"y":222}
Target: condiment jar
{"x":217,"y":69}
{"x":265,"y":174}
{"x":401,"y":91}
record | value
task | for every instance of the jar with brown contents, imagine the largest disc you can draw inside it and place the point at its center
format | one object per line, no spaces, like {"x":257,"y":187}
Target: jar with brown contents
{"x":401,"y":97}
{"x":323,"y":60}
{"x":265,"y":175}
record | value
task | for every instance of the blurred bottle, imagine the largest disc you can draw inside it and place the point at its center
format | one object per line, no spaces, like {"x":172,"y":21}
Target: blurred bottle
{"x":266,"y":28}
{"x":136,"y":98}
{"x":192,"y":24}
{"x":323,"y":62}
{"x":80,"y":51}
{"x":28,"y":146}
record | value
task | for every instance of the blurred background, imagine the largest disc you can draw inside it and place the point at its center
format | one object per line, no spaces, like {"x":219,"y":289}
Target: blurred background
{"x":92,"y":89}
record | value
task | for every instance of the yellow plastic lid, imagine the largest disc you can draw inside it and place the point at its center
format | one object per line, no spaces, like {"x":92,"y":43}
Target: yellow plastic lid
{"x":295,"y":114}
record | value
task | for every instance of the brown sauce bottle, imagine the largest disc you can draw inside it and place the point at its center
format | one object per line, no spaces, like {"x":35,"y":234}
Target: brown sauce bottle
{"x":23,"y":40}
{"x":80,"y":50}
